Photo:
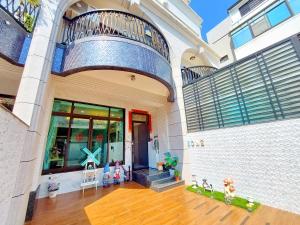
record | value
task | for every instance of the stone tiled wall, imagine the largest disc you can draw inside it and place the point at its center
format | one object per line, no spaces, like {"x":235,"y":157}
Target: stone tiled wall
{"x":262,"y":159}
{"x":12,"y":37}
{"x":117,"y":53}
{"x":12,"y":137}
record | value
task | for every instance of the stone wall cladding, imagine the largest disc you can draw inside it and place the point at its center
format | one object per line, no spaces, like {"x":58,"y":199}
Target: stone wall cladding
{"x":117,"y":52}
{"x":262,"y":159}
{"x":12,"y":37}
{"x":12,"y":137}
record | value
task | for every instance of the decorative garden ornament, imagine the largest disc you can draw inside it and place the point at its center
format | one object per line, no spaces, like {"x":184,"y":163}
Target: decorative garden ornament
{"x":250,"y":204}
{"x":117,"y":173}
{"x":106,"y":175}
{"x":229,"y":191}
{"x":126,"y":173}
{"x":194,"y":182}
{"x":53,"y":186}
{"x":207,"y":187}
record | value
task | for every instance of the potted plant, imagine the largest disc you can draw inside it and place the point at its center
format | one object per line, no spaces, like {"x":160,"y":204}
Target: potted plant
{"x":53,"y":187}
{"x":177,"y":175}
{"x":170,"y":163}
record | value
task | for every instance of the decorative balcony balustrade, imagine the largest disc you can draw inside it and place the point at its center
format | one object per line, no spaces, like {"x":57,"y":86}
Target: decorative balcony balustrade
{"x":191,"y":74}
{"x":117,"y":24}
{"x":24,"y":12}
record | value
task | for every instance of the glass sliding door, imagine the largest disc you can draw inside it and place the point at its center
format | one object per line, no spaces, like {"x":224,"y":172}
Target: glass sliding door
{"x":79,"y":139}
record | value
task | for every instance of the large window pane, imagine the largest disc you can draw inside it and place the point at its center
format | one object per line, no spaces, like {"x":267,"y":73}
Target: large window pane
{"x":260,"y":25}
{"x":278,"y":14}
{"x":241,"y":37}
{"x":62,"y":106}
{"x":91,"y":110}
{"x":116,"y":137}
{"x":78,"y":140}
{"x":56,"y":142}
{"x":295,"y":5}
{"x":116,"y":113}
{"x":100,"y":130}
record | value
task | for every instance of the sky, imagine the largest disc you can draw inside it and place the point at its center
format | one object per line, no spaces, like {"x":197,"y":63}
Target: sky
{"x":212,"y":12}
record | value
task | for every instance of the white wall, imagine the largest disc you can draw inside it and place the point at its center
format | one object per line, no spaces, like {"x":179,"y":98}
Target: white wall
{"x":12,"y":138}
{"x":262,"y":159}
{"x":219,"y":40}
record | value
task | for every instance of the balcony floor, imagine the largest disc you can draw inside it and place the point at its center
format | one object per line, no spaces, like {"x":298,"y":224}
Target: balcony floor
{"x":133,"y":204}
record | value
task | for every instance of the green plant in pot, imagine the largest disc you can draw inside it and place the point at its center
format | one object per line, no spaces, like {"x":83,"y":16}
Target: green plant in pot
{"x":170,"y":162}
{"x":177,"y":175}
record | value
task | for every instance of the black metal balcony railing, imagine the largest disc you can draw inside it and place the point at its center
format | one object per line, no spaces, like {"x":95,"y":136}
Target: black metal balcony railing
{"x":115,"y":23}
{"x":24,"y":12}
{"x":191,"y":74}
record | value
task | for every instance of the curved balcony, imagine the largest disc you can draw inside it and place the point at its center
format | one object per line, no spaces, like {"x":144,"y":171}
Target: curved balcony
{"x":191,"y":74}
{"x":115,"y":40}
{"x":17,"y":20}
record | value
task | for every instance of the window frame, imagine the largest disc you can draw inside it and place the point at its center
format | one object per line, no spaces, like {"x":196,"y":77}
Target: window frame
{"x":264,"y":13}
{"x":72,"y":116}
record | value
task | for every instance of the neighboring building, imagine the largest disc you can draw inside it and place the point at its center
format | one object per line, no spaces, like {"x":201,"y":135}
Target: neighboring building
{"x":253,"y":25}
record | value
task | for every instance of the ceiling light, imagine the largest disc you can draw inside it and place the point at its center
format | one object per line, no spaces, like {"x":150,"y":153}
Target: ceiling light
{"x":192,"y":58}
{"x":132,"y":77}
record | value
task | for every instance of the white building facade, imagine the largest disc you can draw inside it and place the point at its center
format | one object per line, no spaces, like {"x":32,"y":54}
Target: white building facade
{"x":92,"y":74}
{"x":117,"y":75}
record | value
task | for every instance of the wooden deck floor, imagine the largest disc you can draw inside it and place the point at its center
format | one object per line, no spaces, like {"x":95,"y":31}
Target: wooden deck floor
{"x":131,"y":204}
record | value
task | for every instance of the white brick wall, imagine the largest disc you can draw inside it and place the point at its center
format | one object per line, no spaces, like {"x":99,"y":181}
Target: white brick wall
{"x":262,"y":159}
{"x":12,"y":137}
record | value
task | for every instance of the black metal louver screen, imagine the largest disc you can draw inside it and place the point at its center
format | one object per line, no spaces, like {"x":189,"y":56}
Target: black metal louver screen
{"x":249,"y":6}
{"x":264,"y":87}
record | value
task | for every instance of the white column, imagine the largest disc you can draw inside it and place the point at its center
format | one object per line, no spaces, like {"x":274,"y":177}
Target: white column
{"x":30,"y":103}
{"x":177,"y":121}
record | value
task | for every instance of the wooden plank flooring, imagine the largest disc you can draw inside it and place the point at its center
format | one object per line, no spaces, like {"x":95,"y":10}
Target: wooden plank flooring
{"x":131,"y":204}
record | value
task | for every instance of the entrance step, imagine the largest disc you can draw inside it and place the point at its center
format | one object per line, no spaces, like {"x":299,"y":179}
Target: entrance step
{"x":165,"y":184}
{"x":146,"y":176}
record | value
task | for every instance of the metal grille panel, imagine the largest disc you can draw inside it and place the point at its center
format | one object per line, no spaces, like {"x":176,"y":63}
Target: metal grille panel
{"x":264,"y":87}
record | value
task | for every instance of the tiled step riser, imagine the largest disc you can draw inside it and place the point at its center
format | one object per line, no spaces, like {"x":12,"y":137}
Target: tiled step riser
{"x":146,"y":180}
{"x":168,"y":187}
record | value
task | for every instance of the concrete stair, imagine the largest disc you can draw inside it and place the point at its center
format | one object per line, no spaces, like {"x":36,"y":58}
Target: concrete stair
{"x":165,"y":184}
{"x":157,"y":180}
{"x":146,"y":176}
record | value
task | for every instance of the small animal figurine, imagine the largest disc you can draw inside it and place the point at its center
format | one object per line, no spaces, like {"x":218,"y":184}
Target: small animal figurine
{"x":117,"y":173}
{"x":194,"y":182}
{"x":206,"y":186}
{"x":106,"y":175}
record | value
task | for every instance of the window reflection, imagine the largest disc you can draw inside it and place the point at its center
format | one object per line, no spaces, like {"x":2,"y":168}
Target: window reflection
{"x":75,"y":126}
{"x":116,"y":137}
{"x":56,"y":142}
